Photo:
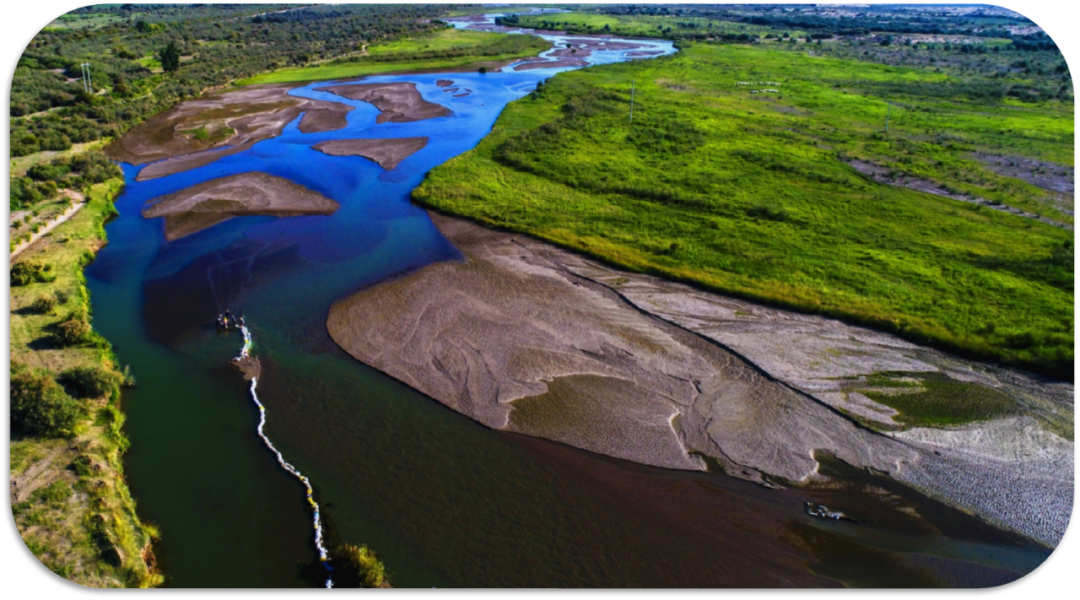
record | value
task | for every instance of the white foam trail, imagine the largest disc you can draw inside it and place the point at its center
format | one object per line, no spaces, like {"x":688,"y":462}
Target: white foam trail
{"x":244,"y":353}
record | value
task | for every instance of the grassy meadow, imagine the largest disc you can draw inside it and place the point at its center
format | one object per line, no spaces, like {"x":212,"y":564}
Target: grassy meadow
{"x":643,"y":25}
{"x":751,"y":194}
{"x":440,"y":49}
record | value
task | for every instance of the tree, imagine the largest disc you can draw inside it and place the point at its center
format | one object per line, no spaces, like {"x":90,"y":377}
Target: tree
{"x":39,"y":405}
{"x":170,"y":58}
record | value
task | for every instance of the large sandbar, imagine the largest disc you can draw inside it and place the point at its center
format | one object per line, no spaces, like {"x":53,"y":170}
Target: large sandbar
{"x":526,"y":337}
{"x":247,"y":194}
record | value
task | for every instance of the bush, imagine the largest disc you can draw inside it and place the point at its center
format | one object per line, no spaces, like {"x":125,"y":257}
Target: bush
{"x":358,"y":566}
{"x":39,"y":405}
{"x":44,"y":304}
{"x":89,"y":382}
{"x":772,"y":213}
{"x":29,"y":271}
{"x":72,"y":332}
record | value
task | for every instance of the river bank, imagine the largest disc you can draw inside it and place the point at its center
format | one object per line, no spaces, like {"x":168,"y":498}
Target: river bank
{"x":69,"y":497}
{"x":526,"y":337}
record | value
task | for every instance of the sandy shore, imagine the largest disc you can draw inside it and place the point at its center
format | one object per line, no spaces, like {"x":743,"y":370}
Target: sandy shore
{"x":248,"y":194}
{"x":398,"y":102}
{"x":387,"y":152}
{"x":526,"y":337}
{"x":252,"y":114}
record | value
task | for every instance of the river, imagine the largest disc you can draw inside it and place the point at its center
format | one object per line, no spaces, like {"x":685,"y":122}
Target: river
{"x":443,"y":500}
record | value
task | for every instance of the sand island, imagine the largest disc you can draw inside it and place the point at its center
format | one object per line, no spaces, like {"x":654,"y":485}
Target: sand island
{"x":386,"y":152}
{"x":398,"y":102}
{"x":248,"y":194}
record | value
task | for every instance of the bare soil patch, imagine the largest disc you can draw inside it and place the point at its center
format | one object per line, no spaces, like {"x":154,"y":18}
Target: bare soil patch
{"x":387,"y":152}
{"x":247,"y":194}
{"x":398,"y":102}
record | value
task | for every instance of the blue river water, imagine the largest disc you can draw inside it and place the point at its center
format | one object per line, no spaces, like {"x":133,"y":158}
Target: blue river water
{"x":444,"y":501}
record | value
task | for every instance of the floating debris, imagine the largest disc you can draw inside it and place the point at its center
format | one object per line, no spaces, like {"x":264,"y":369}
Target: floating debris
{"x":822,"y":512}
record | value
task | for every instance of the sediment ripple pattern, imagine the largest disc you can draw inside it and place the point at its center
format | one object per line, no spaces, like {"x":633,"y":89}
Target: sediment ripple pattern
{"x":244,"y":353}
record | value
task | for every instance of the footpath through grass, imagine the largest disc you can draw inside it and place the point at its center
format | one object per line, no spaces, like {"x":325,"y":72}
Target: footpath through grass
{"x":444,"y":48}
{"x":749,"y":193}
{"x":69,"y":498}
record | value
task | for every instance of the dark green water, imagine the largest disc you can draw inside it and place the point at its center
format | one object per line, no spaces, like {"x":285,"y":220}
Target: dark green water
{"x":444,"y":501}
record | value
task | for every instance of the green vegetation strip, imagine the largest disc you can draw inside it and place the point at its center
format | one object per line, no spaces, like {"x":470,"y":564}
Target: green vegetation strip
{"x":442,"y":49}
{"x":750,"y":194}
{"x":935,"y":400}
{"x":70,"y":501}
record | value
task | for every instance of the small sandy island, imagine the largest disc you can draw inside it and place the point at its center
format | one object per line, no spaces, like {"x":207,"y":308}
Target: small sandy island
{"x":398,"y":102}
{"x":247,"y":194}
{"x":526,"y":337}
{"x":198,"y":132}
{"x":386,"y":152}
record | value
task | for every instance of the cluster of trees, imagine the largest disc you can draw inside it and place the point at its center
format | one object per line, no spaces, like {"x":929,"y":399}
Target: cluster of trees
{"x":43,"y":181}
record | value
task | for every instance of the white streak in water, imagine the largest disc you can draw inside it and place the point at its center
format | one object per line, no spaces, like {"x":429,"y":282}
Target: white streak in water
{"x":244,"y":353}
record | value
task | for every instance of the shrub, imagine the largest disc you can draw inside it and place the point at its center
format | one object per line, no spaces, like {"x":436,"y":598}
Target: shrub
{"x":358,"y":566}
{"x":39,"y":405}
{"x":26,"y":272}
{"x":89,"y":382}
{"x":764,"y":211}
{"x":44,"y":304}
{"x":72,"y":332}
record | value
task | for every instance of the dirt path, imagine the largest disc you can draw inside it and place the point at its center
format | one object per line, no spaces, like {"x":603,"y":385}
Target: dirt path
{"x":80,"y":201}
{"x":35,"y":476}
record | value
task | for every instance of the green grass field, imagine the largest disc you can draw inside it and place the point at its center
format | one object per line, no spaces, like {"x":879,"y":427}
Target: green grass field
{"x":644,"y":25}
{"x":750,"y":194}
{"x":441,"y":49}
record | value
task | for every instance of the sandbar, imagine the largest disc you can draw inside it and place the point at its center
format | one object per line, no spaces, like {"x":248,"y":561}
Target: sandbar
{"x":248,"y":194}
{"x":397,"y":102}
{"x":554,"y":64}
{"x":229,"y":122}
{"x":523,"y":336}
{"x":386,"y":152}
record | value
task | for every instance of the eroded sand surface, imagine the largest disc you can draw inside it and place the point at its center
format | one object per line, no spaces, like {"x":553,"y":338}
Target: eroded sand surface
{"x":204,"y":205}
{"x":387,"y":152}
{"x":252,"y":114}
{"x":398,"y":102}
{"x":526,"y":337}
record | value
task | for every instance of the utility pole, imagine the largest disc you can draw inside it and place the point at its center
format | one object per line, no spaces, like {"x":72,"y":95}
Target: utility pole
{"x":887,"y":114}
{"x":89,"y":82}
{"x":82,"y":71}
{"x":631,"y":100}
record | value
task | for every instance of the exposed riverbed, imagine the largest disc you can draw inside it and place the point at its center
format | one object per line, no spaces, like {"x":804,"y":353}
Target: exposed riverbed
{"x":444,"y":500}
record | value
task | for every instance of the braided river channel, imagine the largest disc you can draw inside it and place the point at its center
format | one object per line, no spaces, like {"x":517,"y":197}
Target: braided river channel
{"x":443,"y":500}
